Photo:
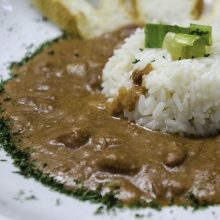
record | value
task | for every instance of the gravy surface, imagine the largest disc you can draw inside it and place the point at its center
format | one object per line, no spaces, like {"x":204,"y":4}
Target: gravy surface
{"x":56,"y":105}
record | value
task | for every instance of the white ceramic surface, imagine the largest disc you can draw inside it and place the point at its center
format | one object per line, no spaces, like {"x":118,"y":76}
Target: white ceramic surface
{"x":21,"y":26}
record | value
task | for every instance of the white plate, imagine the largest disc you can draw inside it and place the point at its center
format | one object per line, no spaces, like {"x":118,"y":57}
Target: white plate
{"x":21,"y":26}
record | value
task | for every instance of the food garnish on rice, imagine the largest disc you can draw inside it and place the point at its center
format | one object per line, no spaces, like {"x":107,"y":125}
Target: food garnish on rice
{"x":176,"y":95}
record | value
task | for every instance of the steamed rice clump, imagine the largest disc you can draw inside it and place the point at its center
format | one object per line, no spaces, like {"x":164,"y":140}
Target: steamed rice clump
{"x":183,"y":96}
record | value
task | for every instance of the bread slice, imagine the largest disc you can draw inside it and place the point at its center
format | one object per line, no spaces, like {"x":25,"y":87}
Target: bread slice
{"x":212,"y":18}
{"x":168,"y":11}
{"x":79,"y":16}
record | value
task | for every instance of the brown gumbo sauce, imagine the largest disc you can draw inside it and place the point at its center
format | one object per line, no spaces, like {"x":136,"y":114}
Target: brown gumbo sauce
{"x":55,"y":103}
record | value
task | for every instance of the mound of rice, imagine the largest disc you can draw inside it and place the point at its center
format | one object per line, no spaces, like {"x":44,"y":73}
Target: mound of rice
{"x":183,"y":96}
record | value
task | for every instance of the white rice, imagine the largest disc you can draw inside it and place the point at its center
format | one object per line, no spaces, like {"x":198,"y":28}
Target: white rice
{"x":183,"y":96}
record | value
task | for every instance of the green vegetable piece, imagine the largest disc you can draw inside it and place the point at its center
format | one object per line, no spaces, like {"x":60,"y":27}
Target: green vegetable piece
{"x":155,"y":33}
{"x":205,"y":32}
{"x":184,"y":46}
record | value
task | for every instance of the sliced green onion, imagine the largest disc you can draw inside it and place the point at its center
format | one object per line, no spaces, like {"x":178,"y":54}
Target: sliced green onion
{"x":205,"y":32}
{"x":184,"y":46}
{"x":155,"y":33}
{"x":174,"y":49}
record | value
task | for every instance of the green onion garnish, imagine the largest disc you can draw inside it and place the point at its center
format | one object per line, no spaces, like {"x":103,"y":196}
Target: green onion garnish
{"x":155,"y":33}
{"x":181,"y":42}
{"x":184,"y":45}
{"x":205,"y":32}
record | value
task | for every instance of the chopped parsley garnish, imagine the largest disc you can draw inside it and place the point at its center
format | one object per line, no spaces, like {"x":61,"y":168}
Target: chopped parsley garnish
{"x":32,"y":197}
{"x":201,"y":187}
{"x":135,"y":61}
{"x":44,"y":164}
{"x":207,"y":55}
{"x":2,"y":110}
{"x":140,"y":204}
{"x":139,"y":216}
{"x":7,"y":98}
{"x":19,"y":140}
{"x":3,"y":160}
{"x":16,"y":132}
{"x":30,"y":46}
{"x":2,"y":84}
{"x":171,"y":201}
{"x":99,"y":210}
{"x":154,"y":205}
{"x":19,"y":195}
{"x":58,"y":202}
{"x":113,"y":186}
{"x":78,"y":181}
{"x":149,"y":214}
{"x":196,"y":203}
{"x":44,"y":18}
{"x":50,"y":52}
{"x":37,"y":51}
{"x":21,"y":192}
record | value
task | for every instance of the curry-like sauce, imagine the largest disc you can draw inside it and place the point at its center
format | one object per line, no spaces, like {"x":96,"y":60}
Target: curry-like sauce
{"x":56,"y":105}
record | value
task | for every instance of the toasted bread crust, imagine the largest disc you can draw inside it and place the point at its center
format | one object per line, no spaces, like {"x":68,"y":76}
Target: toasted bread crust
{"x":212,"y":18}
{"x":79,"y":17}
{"x":197,"y":9}
{"x":58,"y":13}
{"x":167,"y":11}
